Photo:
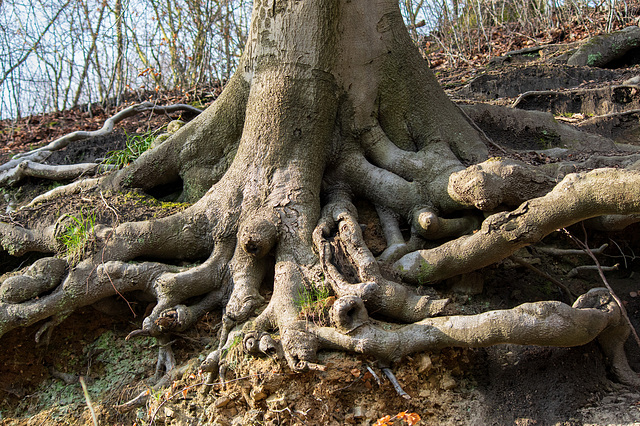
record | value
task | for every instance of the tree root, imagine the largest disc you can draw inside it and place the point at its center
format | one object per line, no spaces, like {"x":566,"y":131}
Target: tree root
{"x":29,"y":163}
{"x":541,"y":323}
{"x":602,"y":49}
{"x":577,"y":197}
{"x":108,"y":125}
{"x":276,"y":164}
{"x":64,"y":172}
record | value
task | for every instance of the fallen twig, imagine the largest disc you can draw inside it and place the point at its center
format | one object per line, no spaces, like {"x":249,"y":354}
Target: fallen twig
{"x":89,"y":404}
{"x":568,"y":252}
{"x":604,"y":280}
{"x":394,"y":382}
{"x":107,"y":127}
{"x":582,"y":268}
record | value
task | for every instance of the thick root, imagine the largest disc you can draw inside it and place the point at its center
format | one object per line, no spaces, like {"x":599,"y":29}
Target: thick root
{"x":594,"y":315}
{"x":577,"y":197}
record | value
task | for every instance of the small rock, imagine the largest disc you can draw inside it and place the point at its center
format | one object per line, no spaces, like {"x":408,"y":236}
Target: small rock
{"x":424,"y":363}
{"x":358,"y":412}
{"x":447,"y":382}
{"x":276,"y":401}
{"x":633,"y":294}
{"x":258,"y":394}
{"x":168,"y":411}
{"x":221,"y":402}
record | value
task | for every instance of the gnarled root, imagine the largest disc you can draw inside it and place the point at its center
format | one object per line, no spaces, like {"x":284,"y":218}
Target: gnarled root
{"x":578,"y":197}
{"x":594,"y":315}
{"x":343,"y":249}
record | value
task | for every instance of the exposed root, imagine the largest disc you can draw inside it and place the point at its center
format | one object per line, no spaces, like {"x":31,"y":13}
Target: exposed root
{"x":64,"y":172}
{"x":66,"y":190}
{"x":540,"y":323}
{"x":108,"y":125}
{"x":276,"y":164}
{"x":366,"y":282}
{"x":498,"y":182}
{"x":577,"y":197}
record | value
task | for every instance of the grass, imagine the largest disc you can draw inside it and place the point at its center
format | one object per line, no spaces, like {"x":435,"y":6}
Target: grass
{"x":314,"y":303}
{"x":135,"y":146}
{"x":75,"y":236}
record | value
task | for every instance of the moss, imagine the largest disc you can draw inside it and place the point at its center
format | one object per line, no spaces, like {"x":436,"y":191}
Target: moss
{"x":114,"y":363}
{"x":548,"y":139}
{"x":425,"y":271}
{"x":594,"y":58}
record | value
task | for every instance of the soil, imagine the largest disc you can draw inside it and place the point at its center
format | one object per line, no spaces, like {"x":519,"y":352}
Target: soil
{"x":505,"y":384}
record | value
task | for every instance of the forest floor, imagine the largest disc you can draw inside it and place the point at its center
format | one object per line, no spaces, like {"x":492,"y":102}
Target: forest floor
{"x":505,"y":384}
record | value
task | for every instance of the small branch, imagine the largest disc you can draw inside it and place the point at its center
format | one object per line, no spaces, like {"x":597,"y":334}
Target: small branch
{"x":392,"y":378}
{"x":578,"y":269}
{"x":543,"y":274}
{"x":569,"y":252}
{"x":418,"y":24}
{"x":54,"y":172}
{"x":110,"y":123}
{"x":604,"y":280}
{"x":375,"y":376}
{"x":86,"y":397}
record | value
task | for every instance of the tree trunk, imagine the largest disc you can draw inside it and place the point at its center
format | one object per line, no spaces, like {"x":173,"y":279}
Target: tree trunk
{"x":331,"y":102}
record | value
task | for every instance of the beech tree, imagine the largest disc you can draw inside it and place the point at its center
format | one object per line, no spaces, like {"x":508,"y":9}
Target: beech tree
{"x":331,"y":103}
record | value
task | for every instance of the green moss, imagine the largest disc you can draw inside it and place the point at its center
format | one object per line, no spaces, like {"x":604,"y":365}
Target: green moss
{"x":425,"y":270}
{"x":548,"y":139}
{"x":108,"y":364}
{"x":594,"y":58}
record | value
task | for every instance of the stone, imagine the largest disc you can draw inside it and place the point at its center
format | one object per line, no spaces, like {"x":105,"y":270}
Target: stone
{"x":276,"y":401}
{"x":221,"y":402}
{"x":447,"y":382}
{"x":168,"y":411}
{"x":424,"y":363}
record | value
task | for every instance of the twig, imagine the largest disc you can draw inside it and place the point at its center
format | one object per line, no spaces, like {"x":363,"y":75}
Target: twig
{"x":604,"y":280}
{"x":103,"y":250}
{"x":375,"y":376}
{"x":86,"y":397}
{"x":569,"y":252}
{"x":394,"y":382}
{"x":575,"y":271}
{"x":567,"y":292}
{"x":107,"y":127}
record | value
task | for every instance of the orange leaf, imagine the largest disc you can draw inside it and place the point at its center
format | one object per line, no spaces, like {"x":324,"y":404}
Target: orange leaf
{"x":412,"y":418}
{"x":384,"y":421}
